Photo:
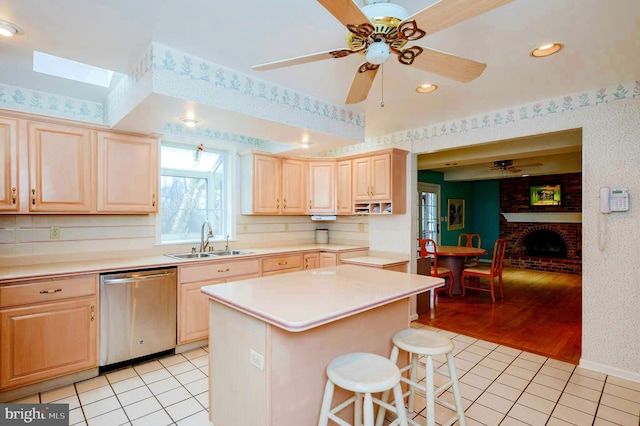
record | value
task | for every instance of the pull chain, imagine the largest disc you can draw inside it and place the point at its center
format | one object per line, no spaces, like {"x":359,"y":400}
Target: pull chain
{"x":382,"y":97}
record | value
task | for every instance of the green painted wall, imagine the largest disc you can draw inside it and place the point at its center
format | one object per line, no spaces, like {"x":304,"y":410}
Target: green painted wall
{"x":482,"y":208}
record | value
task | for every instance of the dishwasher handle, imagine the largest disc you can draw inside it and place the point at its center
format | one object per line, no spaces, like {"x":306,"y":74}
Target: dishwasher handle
{"x":134,"y":279}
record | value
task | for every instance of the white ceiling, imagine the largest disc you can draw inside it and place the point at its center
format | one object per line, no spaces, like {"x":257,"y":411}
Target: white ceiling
{"x":602,"y":40}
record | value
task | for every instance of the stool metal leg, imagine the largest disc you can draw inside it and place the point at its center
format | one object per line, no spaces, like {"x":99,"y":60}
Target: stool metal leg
{"x":326,"y":404}
{"x":456,"y":388}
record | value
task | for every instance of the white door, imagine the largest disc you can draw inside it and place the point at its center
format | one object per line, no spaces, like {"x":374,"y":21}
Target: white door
{"x":428,"y":211}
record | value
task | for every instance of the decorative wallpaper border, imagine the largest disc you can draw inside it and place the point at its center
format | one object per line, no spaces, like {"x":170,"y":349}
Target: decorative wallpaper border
{"x":533,"y":110}
{"x":44,"y":103}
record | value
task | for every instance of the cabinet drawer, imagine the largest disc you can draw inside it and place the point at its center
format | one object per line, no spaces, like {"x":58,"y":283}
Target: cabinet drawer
{"x":281,"y":263}
{"x":48,"y":290}
{"x":217,"y":270}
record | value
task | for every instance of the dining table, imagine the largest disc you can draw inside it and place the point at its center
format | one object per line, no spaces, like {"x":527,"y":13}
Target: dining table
{"x":452,"y":257}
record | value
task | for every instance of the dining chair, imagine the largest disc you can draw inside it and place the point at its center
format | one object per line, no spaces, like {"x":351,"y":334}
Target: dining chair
{"x":495,"y":271}
{"x":429,"y":248}
{"x":470,"y":240}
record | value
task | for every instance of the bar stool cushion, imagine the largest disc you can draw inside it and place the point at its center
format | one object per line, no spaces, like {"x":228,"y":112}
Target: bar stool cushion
{"x":363,"y":372}
{"x":423,"y":342}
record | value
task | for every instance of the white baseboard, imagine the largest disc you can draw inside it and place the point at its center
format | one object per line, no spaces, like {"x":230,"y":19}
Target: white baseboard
{"x":612,"y":371}
{"x":413,"y":317}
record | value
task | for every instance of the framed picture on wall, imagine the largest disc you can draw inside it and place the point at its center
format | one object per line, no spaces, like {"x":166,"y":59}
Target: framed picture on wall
{"x":455,"y":209}
{"x":545,"y":195}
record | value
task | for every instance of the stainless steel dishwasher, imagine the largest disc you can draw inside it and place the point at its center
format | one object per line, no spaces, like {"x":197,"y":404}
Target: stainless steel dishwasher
{"x":137,"y":314}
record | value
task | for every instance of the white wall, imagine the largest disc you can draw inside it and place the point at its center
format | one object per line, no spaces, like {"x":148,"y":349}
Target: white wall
{"x":611,"y":274}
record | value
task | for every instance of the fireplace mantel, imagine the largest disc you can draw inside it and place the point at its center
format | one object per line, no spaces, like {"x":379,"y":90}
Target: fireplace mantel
{"x":552,"y":217}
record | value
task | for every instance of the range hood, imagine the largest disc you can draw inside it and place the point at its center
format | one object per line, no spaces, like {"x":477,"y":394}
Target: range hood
{"x":323,"y":217}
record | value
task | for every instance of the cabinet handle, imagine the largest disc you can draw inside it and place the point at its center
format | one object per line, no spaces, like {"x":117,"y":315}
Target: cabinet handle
{"x":309,"y":204}
{"x":13,"y":199}
{"x":153,"y":202}
{"x":50,"y":291}
{"x":277,"y":203}
{"x":282,"y":263}
{"x":93,"y":313}
{"x":223,"y":270}
{"x":284,"y":206}
{"x":33,"y":198}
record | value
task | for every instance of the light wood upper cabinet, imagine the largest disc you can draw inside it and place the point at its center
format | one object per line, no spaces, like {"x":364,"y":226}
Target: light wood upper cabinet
{"x":322,"y":187}
{"x":9,"y":195}
{"x":60,"y":178}
{"x":272,"y":185}
{"x":379,"y":182}
{"x":127,"y":173}
{"x":343,"y":188}
{"x":294,"y":186}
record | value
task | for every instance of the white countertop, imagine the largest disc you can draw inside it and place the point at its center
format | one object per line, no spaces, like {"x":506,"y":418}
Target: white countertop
{"x":374,"y":261}
{"x":129,"y":261}
{"x":299,"y":301}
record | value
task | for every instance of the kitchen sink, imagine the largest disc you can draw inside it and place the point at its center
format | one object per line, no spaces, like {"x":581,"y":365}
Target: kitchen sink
{"x":199,"y":255}
{"x":229,"y":252}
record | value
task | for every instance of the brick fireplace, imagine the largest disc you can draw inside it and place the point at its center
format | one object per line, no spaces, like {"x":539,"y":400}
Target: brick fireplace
{"x":544,"y":238}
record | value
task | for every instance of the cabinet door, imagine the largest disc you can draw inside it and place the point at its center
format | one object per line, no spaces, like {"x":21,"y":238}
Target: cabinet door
{"x":127,"y":173}
{"x":266,"y":184}
{"x":328,"y":259}
{"x":381,"y":177}
{"x":345,"y":203}
{"x":294,"y":186}
{"x":9,"y":197}
{"x":59,"y":168}
{"x":49,"y":340}
{"x":193,"y":312}
{"x":322,"y":184}
{"x":311,"y":261}
{"x":361,"y":179}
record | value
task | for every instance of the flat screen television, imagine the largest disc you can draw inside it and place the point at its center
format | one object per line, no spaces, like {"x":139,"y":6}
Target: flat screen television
{"x":545,"y":195}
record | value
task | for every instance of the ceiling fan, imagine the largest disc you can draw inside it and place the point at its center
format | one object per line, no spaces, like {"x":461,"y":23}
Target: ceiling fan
{"x":508,"y":166}
{"x":381,"y":28}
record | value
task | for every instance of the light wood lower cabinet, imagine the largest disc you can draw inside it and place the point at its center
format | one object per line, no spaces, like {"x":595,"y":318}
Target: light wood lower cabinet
{"x":328,"y":259}
{"x":311,"y":261}
{"x":193,"y":306}
{"x":41,"y":341}
{"x":281,"y":264}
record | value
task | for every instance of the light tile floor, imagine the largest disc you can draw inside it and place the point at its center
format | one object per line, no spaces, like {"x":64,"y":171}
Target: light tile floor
{"x":499,"y":386}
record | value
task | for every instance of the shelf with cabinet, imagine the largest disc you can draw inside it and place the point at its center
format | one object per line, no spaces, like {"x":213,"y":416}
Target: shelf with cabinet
{"x":49,"y":328}
{"x":379,"y":182}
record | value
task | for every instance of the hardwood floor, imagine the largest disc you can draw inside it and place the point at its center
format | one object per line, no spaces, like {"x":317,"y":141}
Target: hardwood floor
{"x":540,"y":313}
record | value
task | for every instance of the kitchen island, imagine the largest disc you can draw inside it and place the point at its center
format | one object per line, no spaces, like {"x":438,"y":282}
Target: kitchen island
{"x":271,"y":338}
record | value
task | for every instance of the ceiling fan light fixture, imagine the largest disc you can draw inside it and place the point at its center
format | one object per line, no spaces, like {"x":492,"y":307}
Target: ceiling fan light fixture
{"x":378,"y":52}
{"x":305,"y":144}
{"x":426,"y":88}
{"x":546,"y":50}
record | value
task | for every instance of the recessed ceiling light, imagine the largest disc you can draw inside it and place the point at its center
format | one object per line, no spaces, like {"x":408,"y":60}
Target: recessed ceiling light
{"x":426,"y":88}
{"x":546,"y":50}
{"x":305,"y":144}
{"x":189,"y":121}
{"x":7,"y":29}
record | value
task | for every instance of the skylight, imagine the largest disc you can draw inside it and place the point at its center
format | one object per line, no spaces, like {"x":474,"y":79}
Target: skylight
{"x":72,"y":70}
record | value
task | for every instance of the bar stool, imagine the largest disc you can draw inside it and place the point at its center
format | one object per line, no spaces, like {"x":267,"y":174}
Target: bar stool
{"x":362,"y":373}
{"x":427,"y":343}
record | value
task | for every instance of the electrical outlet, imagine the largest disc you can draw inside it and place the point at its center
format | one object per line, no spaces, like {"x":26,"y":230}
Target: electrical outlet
{"x":54,"y":233}
{"x":257,"y":359}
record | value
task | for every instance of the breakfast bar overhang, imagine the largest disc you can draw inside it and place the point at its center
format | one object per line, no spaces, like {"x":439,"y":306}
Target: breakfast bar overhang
{"x":271,"y":338}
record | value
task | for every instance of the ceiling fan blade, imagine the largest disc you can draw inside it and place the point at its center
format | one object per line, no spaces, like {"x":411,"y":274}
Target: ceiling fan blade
{"x":345,"y":11}
{"x":529,"y":165}
{"x":514,"y":170}
{"x":362,"y":82}
{"x":447,"y":65}
{"x":447,"y":13}
{"x":329,"y":54}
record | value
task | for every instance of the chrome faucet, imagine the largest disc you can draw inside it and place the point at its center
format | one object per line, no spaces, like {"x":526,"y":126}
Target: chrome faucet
{"x":226,"y":248}
{"x":204,"y":242}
